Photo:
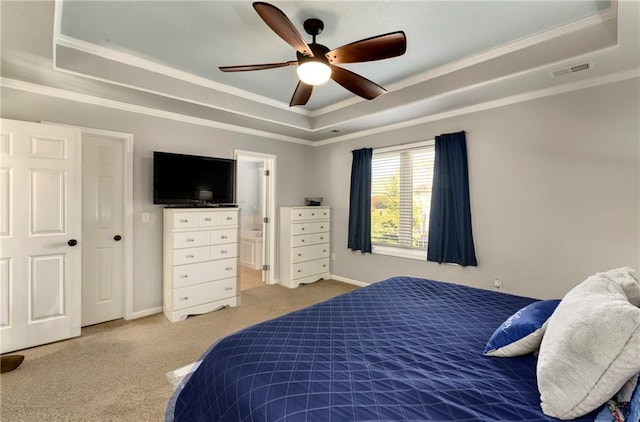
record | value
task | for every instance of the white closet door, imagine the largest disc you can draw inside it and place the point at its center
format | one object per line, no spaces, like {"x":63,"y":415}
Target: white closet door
{"x":40,"y":226}
{"x":102,"y":230}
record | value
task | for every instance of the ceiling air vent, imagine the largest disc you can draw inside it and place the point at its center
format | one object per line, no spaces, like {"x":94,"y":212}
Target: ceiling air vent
{"x":569,"y":70}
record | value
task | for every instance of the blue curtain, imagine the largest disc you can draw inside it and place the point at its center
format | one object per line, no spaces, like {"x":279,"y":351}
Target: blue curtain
{"x":450,"y":235}
{"x":360,"y":201}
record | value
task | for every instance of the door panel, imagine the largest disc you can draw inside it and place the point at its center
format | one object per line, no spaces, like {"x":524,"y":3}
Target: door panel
{"x":41,"y":211}
{"x":103,"y":222}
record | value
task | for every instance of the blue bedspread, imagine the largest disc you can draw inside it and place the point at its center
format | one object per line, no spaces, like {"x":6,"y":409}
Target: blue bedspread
{"x":404,"y":349}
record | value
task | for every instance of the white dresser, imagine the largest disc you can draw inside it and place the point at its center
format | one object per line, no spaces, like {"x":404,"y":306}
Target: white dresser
{"x":304,"y":245}
{"x":200,"y":269}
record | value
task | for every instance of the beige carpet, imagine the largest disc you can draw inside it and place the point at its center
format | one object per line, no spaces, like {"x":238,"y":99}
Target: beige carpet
{"x":116,"y":371}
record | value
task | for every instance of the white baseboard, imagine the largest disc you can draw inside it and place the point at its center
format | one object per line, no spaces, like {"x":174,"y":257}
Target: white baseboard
{"x":144,"y":313}
{"x":348,"y":280}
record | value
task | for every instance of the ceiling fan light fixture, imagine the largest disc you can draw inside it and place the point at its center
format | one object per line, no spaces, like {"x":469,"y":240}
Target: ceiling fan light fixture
{"x":314,"y":72}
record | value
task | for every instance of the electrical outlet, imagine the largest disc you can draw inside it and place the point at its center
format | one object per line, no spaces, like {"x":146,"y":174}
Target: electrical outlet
{"x":497,"y":283}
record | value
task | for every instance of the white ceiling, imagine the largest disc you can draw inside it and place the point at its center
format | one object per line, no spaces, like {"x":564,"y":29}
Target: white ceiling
{"x":461,"y":56}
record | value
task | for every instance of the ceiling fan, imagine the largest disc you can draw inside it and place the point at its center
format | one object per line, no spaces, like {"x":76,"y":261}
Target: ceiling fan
{"x":316,"y":63}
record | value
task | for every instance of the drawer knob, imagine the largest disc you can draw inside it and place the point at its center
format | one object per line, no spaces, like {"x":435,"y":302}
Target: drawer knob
{"x":184,"y":298}
{"x":184,"y":276}
{"x":299,"y":254}
{"x":184,"y":220}
{"x":324,"y":265}
{"x":321,"y":238}
{"x":302,"y":229}
{"x":223,"y":252}
{"x":313,"y":214}
{"x":299,"y":271}
{"x":229,"y":268}
{"x":207,"y":219}
{"x":190,"y":239}
{"x":190,"y":256}
{"x":324,"y":250}
{"x":302,"y":241}
{"x":229,"y":218}
{"x":228,"y":288}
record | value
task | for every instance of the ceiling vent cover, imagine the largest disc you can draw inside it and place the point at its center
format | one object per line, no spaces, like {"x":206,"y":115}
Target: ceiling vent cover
{"x":569,"y":70}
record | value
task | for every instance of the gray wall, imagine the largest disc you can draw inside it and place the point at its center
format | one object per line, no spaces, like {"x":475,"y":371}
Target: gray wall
{"x":293,"y":160}
{"x":555,"y":186}
{"x":555,"y":192}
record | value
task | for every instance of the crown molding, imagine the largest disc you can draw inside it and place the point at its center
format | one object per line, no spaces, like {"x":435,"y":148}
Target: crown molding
{"x":532,"y":95}
{"x":484,"y":56}
{"x":153,"y":112}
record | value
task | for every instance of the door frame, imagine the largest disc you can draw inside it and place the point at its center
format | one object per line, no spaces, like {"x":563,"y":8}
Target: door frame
{"x":269,"y":161}
{"x":127,"y":218}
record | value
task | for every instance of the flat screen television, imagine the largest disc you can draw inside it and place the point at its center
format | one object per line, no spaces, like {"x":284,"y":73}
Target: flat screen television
{"x":193,"y":180}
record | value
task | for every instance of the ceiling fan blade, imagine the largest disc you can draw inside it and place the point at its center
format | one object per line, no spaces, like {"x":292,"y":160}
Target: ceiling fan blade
{"x":301,"y":95}
{"x":244,"y":68}
{"x":355,"y":83}
{"x":379,"y":47}
{"x":282,"y":26}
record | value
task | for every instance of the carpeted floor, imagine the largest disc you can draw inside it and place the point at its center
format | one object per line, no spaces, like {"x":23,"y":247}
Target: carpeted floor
{"x":116,"y":371}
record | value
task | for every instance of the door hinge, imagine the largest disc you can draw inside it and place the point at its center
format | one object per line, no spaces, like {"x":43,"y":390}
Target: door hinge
{"x":267,"y":172}
{"x":265,"y":268}
{"x":265,"y":220}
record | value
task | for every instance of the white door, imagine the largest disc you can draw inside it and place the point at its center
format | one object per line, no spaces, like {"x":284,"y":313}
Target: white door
{"x":102,"y":229}
{"x":40,"y":225}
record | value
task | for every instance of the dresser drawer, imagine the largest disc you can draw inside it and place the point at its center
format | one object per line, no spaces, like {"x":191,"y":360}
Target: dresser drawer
{"x":186,"y":275}
{"x":230,"y":250}
{"x":208,"y":219}
{"x":302,"y":240}
{"x":308,"y":253}
{"x":320,"y":238}
{"x":320,"y":227}
{"x":301,"y":228}
{"x":308,"y":268}
{"x":228,"y":218}
{"x":198,"y":294}
{"x":219,"y":237}
{"x":185,"y":220}
{"x":310,"y":214}
{"x":190,"y":255}
{"x":190,"y":239}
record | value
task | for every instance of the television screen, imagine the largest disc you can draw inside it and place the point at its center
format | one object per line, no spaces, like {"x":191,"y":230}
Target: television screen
{"x":180,"y":179}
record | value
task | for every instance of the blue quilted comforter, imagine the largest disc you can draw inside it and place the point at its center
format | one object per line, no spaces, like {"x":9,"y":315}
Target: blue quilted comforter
{"x":404,"y":349}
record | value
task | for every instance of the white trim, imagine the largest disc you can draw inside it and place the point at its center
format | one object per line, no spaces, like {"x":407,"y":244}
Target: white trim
{"x":269,"y":161}
{"x":404,"y":147}
{"x":348,"y":280}
{"x":127,"y":218}
{"x":484,"y":56}
{"x":88,"y":99}
{"x":130,"y":60}
{"x":144,"y":313}
{"x":154,"y":112}
{"x":518,"y":98}
{"x":417,"y":254}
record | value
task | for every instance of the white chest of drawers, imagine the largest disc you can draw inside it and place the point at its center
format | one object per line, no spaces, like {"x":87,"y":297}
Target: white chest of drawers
{"x":304,"y":245}
{"x":200,"y":268}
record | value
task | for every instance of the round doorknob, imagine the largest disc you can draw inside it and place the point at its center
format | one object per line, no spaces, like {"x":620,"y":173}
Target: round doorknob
{"x":117,"y":238}
{"x":72,"y":242}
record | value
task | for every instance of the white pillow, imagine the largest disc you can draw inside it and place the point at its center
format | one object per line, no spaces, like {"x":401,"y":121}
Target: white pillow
{"x":591,"y":346}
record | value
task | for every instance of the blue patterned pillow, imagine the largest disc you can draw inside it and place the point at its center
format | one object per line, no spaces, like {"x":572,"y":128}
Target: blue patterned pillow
{"x":522,"y":332}
{"x":634,"y":405}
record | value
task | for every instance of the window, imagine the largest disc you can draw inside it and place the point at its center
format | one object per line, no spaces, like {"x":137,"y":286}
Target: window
{"x":401,"y":179}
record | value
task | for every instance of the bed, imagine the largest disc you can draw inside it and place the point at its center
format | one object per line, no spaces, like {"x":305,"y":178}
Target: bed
{"x":403,"y":349}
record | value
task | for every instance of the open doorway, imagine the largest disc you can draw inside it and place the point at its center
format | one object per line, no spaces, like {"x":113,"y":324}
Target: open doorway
{"x":256,"y":199}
